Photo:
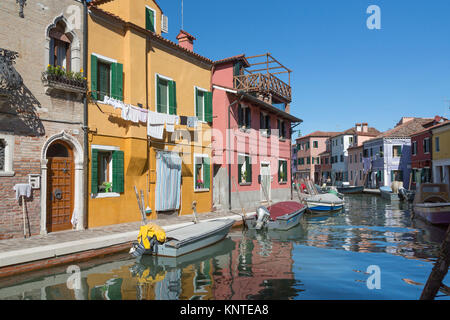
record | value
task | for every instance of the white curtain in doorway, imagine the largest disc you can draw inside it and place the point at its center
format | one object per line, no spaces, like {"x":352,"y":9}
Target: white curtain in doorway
{"x":168,"y":181}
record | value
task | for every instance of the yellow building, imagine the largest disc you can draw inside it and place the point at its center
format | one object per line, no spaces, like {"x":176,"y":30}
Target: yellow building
{"x":149,"y":116}
{"x":441,"y":152}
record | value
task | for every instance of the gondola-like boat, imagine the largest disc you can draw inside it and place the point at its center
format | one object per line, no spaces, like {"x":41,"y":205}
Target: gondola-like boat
{"x":282,"y":215}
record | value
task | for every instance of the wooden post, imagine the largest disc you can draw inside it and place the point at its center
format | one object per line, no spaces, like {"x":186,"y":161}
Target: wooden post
{"x":439,"y":271}
{"x":24,"y":217}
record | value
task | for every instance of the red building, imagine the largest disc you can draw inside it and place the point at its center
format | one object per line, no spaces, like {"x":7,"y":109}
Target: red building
{"x":421,"y":155}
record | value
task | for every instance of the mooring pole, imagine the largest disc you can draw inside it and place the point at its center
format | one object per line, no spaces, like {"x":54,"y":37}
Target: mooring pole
{"x":439,"y":271}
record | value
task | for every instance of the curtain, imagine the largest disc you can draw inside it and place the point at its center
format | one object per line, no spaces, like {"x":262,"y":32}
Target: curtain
{"x":168,"y":181}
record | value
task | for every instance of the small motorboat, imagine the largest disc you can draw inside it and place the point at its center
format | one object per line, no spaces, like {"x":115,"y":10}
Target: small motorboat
{"x":387,"y":193}
{"x":406,"y":195}
{"x":326,"y":202}
{"x":153,"y":240}
{"x":350,"y":189}
{"x":282,"y":215}
{"x":432,"y":203}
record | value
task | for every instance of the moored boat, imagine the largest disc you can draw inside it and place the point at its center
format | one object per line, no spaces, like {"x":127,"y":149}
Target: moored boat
{"x":387,"y":193}
{"x":282,"y":215}
{"x":153,"y":240}
{"x":432,"y":203}
{"x":350,"y":189}
{"x":406,"y":195}
{"x":326,"y":202}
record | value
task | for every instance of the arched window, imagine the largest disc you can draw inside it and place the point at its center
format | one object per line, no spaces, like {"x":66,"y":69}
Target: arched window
{"x":60,"y":46}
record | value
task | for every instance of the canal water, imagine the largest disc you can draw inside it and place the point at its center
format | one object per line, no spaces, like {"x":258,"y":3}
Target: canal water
{"x":371,"y":250}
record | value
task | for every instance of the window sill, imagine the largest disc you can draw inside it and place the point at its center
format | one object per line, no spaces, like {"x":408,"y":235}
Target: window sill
{"x":201,"y":190}
{"x":282,"y":139}
{"x":282,"y":182}
{"x":245,"y":184}
{"x":7,"y":174}
{"x":244,"y":129}
{"x":105,"y":195}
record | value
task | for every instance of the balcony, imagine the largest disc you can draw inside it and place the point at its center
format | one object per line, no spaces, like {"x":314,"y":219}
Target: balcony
{"x":56,"y":79}
{"x":10,"y":79}
{"x":259,"y":79}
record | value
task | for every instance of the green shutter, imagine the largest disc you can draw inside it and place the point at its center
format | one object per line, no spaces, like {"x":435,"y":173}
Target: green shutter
{"x":206,"y":173}
{"x":117,"y":81}
{"x":172,"y":97}
{"x":279,"y":171}
{"x":197,"y":104}
{"x":248,"y":120}
{"x":149,"y":20}
{"x":249,"y":169}
{"x":285,"y":170}
{"x":208,"y":107}
{"x":118,"y":171}
{"x":239,"y":170}
{"x":158,"y":95}
{"x":94,"y":85}
{"x":94,"y":171}
{"x":237,"y":69}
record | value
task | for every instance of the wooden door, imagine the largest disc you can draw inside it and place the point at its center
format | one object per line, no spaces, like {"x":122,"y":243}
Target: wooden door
{"x":60,"y":187}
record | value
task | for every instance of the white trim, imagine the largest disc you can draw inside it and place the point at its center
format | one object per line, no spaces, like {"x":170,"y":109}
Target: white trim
{"x":103,"y":58}
{"x":103,"y":147}
{"x":156,"y":91}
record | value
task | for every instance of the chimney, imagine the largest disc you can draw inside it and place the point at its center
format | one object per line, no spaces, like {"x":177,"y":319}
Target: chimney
{"x":365,"y":127}
{"x":186,"y":40}
{"x":358,"y":127}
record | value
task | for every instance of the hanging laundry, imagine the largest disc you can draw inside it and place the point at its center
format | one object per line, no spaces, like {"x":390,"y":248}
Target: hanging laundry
{"x":192,"y":122}
{"x":171,"y":121}
{"x":22,"y":189}
{"x":155,"y":124}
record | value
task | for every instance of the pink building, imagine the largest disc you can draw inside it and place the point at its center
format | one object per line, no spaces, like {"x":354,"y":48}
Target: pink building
{"x":310,"y":148}
{"x":355,"y":165}
{"x":251,"y":133}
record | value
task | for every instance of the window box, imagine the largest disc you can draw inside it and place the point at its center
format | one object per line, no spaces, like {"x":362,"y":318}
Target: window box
{"x":57,"y":79}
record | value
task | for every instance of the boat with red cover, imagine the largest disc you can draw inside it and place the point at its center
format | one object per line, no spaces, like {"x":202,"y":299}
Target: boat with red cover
{"x":279,"y":216}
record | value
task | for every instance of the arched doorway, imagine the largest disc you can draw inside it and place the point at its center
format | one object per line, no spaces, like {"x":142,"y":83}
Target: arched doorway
{"x":60,"y":186}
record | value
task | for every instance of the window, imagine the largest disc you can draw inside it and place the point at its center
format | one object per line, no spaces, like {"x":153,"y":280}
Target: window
{"x":166,"y":101}
{"x":396,"y":175}
{"x":414,"y":148}
{"x":302,"y":161}
{"x":350,"y":158}
{"x":264,"y":125}
{"x":281,"y":129}
{"x":360,"y":175}
{"x":342,"y":140}
{"x":326,"y":160}
{"x":436,"y":142}
{"x":307,"y":145}
{"x":342,"y":158}
{"x":371,"y":152}
{"x":244,"y":169}
{"x":350,"y":140}
{"x":202,"y":167}
{"x":308,"y":160}
{"x":366,"y":153}
{"x":244,"y":117}
{"x":356,"y":158}
{"x":106,"y":78}
{"x":6,"y":154}
{"x":426,"y":145}
{"x":360,"y":156}
{"x":396,"y":151}
{"x":318,"y":160}
{"x":60,"y":47}
{"x":203,"y":105}
{"x":315,"y":144}
{"x":2,"y":154}
{"x":150,"y":19}
{"x":107,"y":170}
{"x":282,"y":171}
{"x":381,"y":152}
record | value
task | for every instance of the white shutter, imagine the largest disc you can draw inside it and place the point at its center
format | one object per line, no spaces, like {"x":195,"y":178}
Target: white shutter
{"x":164,"y":24}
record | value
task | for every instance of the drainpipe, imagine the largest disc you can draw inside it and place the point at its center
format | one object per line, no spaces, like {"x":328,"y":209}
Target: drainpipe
{"x":85,"y":118}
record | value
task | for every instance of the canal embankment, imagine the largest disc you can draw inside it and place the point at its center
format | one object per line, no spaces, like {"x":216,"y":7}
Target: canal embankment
{"x":21,"y":255}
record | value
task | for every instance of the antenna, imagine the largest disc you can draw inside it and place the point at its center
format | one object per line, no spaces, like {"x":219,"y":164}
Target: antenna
{"x":182,"y":18}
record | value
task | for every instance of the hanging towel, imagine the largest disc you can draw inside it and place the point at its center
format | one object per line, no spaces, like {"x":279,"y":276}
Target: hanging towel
{"x":22,"y":189}
{"x":155,"y":124}
{"x":192,"y":122}
{"x":171,"y":121}
{"x":134,"y":114}
{"x":143,"y":115}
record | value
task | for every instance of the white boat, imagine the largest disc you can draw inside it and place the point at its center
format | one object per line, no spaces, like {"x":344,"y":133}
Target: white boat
{"x":183,"y":240}
{"x":432,"y":203}
{"x":325,"y":202}
{"x":282,"y":216}
{"x":387,"y":193}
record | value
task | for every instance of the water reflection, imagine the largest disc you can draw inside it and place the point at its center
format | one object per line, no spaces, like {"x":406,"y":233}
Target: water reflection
{"x":324,"y":257}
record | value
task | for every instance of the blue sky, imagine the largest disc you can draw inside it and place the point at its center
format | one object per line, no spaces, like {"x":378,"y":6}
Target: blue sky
{"x":343,"y":73}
